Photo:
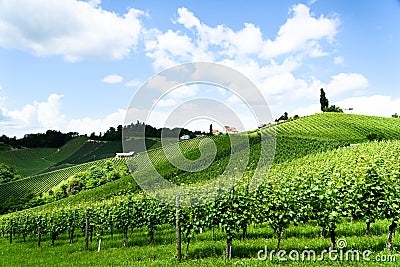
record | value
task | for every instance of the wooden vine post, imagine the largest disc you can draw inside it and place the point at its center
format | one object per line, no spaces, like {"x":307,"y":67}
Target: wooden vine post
{"x":86,"y":231}
{"x":178,"y":230}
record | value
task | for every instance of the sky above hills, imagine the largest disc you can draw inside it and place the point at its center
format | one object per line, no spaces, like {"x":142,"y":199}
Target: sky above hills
{"x":75,"y":65}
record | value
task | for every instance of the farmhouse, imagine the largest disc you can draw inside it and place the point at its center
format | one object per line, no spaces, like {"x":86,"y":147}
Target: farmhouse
{"x":185,"y":137}
{"x":125,"y":154}
{"x":230,"y":130}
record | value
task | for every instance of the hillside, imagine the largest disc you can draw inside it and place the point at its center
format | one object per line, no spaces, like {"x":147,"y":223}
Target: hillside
{"x":315,"y":185}
{"x":300,"y":212}
{"x":295,"y":139}
{"x":340,"y":126}
{"x":29,"y":161}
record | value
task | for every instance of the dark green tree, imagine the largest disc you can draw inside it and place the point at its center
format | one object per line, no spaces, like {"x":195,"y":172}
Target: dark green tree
{"x":333,"y":108}
{"x":323,"y":100}
{"x":211,"y":130}
{"x":285,"y":116}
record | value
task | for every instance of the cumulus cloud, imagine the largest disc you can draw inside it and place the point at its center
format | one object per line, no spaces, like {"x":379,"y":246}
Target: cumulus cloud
{"x":302,"y":35}
{"x":168,"y":102}
{"x":183,"y":91}
{"x":375,"y":105}
{"x":45,"y":115}
{"x":133,"y":83}
{"x":37,"y":116}
{"x":300,"y":32}
{"x":88,"y":125}
{"x":345,"y":82}
{"x":113,"y":78}
{"x":73,"y":29}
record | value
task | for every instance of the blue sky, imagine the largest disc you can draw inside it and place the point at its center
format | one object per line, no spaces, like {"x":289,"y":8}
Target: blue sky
{"x":75,"y":65}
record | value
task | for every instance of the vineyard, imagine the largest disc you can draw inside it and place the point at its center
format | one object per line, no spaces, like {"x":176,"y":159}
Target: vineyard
{"x":318,"y":191}
{"x":340,"y":126}
{"x":43,"y":182}
{"x":30,"y":161}
{"x":329,"y":188}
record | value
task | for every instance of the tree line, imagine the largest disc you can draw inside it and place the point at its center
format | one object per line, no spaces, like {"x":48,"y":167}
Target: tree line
{"x":56,"y":139}
{"x":51,"y":138}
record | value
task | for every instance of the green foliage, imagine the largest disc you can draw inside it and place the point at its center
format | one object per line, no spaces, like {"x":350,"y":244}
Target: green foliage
{"x":323,"y":100}
{"x":44,"y":182}
{"x":340,"y":126}
{"x":374,"y":137}
{"x":312,"y":180}
{"x":333,"y":108}
{"x":29,"y":161}
{"x":8,"y":173}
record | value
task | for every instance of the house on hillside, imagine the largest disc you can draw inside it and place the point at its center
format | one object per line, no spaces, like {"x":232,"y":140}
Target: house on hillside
{"x":185,"y":137}
{"x":230,"y":130}
{"x":215,"y":132}
{"x":125,"y":155}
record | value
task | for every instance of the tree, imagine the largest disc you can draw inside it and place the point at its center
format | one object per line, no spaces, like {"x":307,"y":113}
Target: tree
{"x":285,"y":116}
{"x":211,"y":130}
{"x":395,"y":115}
{"x":8,"y":173}
{"x":323,"y":100}
{"x":333,"y":108}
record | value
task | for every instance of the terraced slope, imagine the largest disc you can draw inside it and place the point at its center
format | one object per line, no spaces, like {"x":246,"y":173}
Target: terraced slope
{"x":40,"y":183}
{"x":295,"y":139}
{"x":29,"y":161}
{"x":339,"y":126}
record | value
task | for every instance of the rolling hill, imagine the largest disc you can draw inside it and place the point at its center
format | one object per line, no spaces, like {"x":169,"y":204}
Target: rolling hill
{"x":295,"y":139}
{"x":32,"y":161}
{"x":316,"y":183}
{"x":340,"y":126}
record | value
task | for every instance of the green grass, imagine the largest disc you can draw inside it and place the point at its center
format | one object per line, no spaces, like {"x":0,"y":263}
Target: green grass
{"x":29,"y":161}
{"x":93,"y":150}
{"x":203,"y":250}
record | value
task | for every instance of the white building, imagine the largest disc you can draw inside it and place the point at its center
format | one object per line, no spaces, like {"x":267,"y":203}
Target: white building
{"x":125,"y":154}
{"x":185,"y":137}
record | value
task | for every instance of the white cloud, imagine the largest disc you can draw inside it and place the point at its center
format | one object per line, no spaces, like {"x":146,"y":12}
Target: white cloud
{"x":42,"y":116}
{"x":88,"y":125}
{"x":73,"y":29}
{"x":233,"y":99}
{"x":95,"y":3}
{"x":113,"y":78}
{"x":169,"y":102}
{"x":375,"y":105}
{"x":35,"y":117}
{"x":183,"y":91}
{"x":345,"y":82}
{"x":304,"y":111}
{"x":338,"y":60}
{"x":133,"y":83}
{"x":300,"y":32}
{"x":302,"y":35}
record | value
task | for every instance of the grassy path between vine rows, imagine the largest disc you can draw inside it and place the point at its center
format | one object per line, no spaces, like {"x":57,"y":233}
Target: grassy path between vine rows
{"x":203,"y":250}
